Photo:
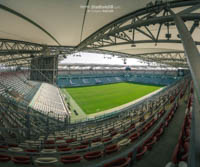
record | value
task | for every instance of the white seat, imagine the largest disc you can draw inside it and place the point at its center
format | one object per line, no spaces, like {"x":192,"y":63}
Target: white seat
{"x":46,"y":160}
{"x":30,"y":141}
{"x":182,"y":164}
{"x":96,"y":144}
{"x":124,"y":142}
{"x":60,"y":141}
{"x":116,"y":136}
{"x":74,"y":143}
{"x":49,"y":151}
{"x":15,"y":149}
{"x":170,"y":164}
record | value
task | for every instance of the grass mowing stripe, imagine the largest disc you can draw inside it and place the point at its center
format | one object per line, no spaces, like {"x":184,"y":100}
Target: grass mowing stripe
{"x":94,"y":99}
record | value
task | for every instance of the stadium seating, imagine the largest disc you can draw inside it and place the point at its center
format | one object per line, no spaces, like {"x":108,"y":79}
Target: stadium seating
{"x":82,"y":142}
{"x":4,"y":158}
{"x":93,"y":155}
{"x":71,"y":159}
{"x":15,"y":81}
{"x":140,"y":152}
{"x":181,"y":150}
{"x":152,"y":79}
{"x":111,"y":149}
{"x":150,"y":142}
{"x":75,"y":80}
{"x":21,"y":160}
{"x":48,"y":99}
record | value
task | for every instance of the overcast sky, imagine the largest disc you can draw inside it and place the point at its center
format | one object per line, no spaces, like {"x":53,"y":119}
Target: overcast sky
{"x":93,"y":58}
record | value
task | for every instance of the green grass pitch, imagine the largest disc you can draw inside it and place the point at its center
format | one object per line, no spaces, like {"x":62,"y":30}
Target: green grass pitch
{"x":93,"y":99}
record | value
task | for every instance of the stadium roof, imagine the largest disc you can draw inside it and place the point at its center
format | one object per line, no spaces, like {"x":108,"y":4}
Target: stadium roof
{"x":129,"y":27}
{"x":62,"y":19}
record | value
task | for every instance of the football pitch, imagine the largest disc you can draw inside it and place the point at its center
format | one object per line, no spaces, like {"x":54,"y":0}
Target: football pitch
{"x":93,"y":99}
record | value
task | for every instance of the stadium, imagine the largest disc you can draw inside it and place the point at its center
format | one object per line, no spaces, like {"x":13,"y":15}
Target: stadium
{"x":99,"y":83}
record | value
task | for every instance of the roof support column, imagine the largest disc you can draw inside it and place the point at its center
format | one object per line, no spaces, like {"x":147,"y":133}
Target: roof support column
{"x":193,"y":59}
{"x":191,"y":52}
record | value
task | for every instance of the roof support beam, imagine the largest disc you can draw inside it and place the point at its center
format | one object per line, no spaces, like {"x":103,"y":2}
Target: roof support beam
{"x":193,"y":58}
{"x":189,"y":10}
{"x":143,"y":42}
{"x":14,"y":52}
{"x":191,"y":51}
{"x":113,"y":28}
{"x":156,"y":20}
{"x":159,"y":57}
{"x":194,"y":26}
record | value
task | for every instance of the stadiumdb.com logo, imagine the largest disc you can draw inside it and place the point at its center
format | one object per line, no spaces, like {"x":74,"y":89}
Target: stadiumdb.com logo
{"x":100,"y":8}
